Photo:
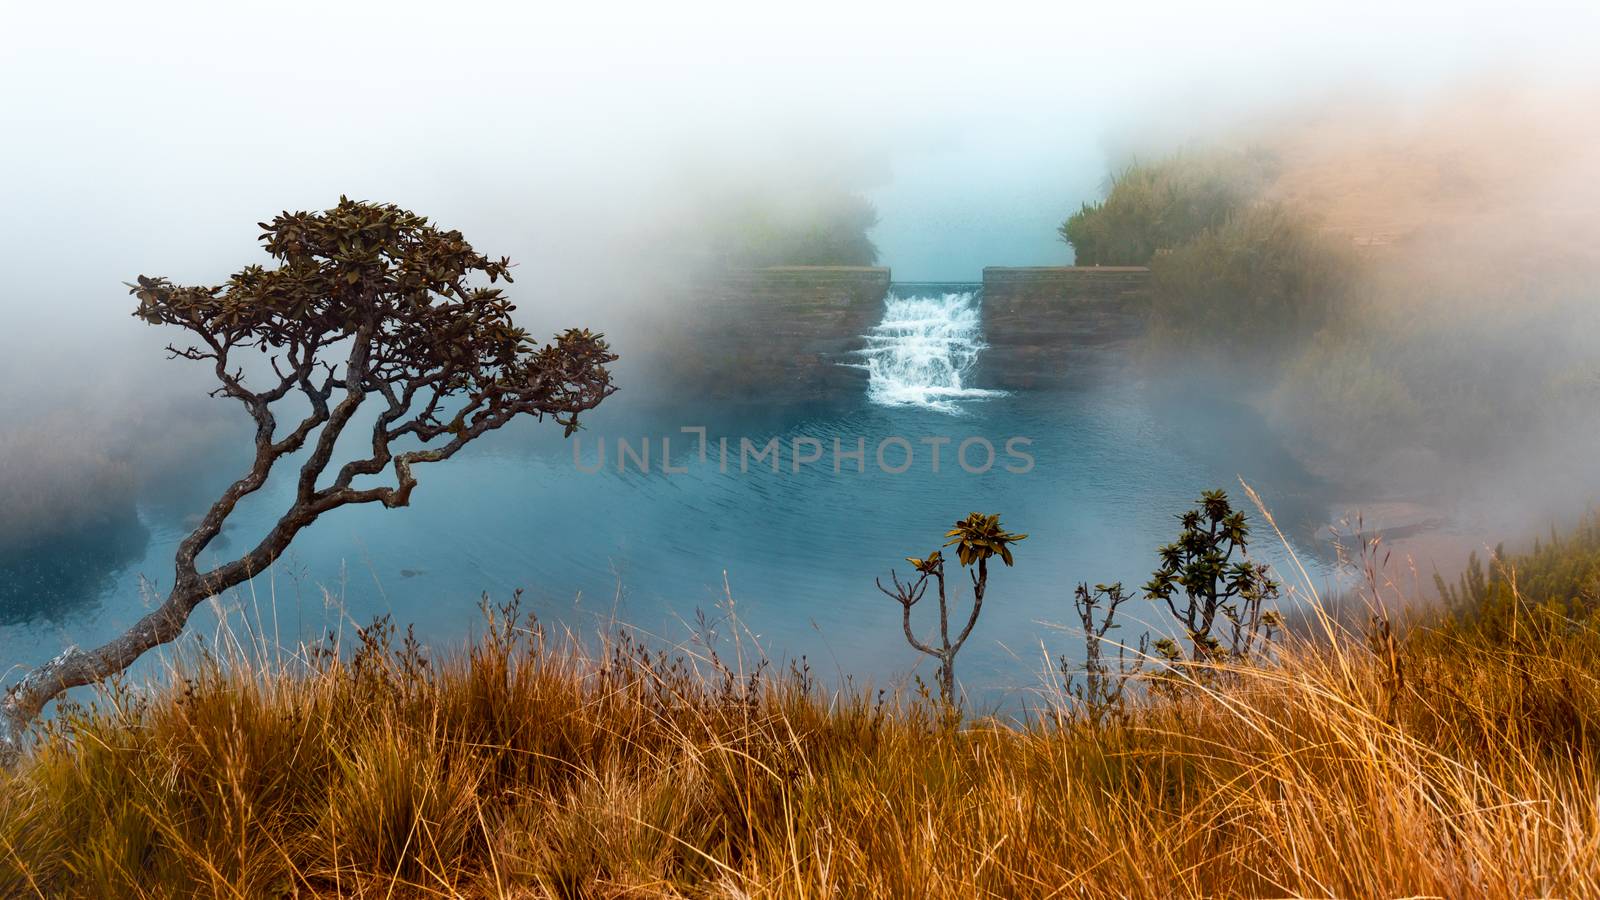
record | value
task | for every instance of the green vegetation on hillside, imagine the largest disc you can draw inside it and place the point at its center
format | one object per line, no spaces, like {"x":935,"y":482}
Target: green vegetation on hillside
{"x":1151,"y":207}
{"x":1446,"y":348}
{"x":1232,"y":275}
{"x":1556,"y":584}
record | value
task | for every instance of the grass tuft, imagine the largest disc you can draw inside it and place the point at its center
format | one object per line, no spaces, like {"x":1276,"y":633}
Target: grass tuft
{"x":1439,"y":762}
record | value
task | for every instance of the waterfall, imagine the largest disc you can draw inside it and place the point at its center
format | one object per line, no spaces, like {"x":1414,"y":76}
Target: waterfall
{"x":923,"y":349}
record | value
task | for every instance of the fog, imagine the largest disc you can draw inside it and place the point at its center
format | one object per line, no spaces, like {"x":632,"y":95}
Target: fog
{"x":150,"y":138}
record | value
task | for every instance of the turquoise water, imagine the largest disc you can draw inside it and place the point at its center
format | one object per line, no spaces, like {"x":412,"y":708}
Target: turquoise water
{"x":797,"y":551}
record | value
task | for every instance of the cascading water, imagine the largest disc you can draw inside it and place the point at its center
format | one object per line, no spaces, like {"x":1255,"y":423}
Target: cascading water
{"x":924,"y":348}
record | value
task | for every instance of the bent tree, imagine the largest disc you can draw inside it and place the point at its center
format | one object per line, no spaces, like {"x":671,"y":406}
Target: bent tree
{"x":368,"y":308}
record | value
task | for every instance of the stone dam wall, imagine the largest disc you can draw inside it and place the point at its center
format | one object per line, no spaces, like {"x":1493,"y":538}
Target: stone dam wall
{"x":1045,"y":326}
{"x":774,"y":335}
{"x":778,"y":335}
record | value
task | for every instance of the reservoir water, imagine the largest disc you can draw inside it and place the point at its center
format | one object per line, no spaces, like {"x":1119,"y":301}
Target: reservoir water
{"x":1095,"y":473}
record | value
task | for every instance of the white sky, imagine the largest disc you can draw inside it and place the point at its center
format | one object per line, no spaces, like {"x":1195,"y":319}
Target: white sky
{"x":150,"y":136}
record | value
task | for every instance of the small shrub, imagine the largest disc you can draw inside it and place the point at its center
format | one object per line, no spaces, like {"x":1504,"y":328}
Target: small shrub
{"x":976,"y":538}
{"x":1211,"y":587}
{"x":1104,"y":687}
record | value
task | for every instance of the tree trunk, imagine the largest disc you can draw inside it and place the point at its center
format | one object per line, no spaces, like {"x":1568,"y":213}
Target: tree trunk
{"x":74,"y":667}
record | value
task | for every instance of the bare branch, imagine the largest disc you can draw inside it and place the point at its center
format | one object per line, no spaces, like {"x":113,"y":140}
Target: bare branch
{"x":907,"y":594}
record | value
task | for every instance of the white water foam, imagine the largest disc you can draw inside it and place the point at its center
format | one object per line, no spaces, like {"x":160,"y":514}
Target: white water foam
{"x":922,"y":351}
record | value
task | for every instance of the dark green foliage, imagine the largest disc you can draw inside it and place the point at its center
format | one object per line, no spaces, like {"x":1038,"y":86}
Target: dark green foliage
{"x":1151,"y":207}
{"x":1203,"y":576}
{"x":979,"y":537}
{"x":1555,"y":584}
{"x":1206,"y":574}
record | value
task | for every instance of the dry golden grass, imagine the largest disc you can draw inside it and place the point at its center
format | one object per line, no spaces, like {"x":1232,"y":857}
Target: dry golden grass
{"x":1439,"y":764}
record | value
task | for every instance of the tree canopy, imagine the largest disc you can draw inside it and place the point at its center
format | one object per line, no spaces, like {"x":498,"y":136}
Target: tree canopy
{"x":367,"y":306}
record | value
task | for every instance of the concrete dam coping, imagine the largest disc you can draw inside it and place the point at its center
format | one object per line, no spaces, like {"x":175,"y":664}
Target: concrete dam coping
{"x":1025,"y":272}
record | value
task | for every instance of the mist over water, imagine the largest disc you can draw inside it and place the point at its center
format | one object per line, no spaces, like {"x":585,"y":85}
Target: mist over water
{"x":1106,"y":472}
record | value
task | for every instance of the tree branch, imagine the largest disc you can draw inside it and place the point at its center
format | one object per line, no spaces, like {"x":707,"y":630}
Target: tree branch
{"x":413,"y":325}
